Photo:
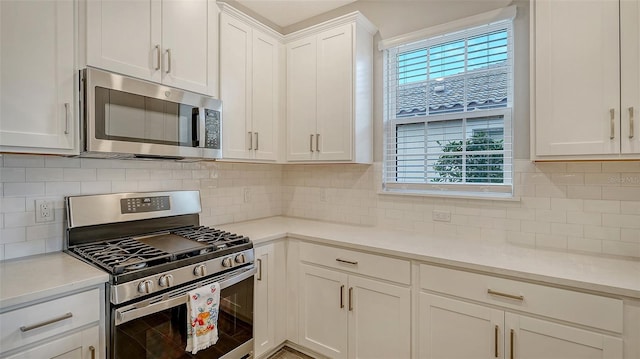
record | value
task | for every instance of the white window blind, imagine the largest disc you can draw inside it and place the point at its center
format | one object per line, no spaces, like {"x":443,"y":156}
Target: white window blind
{"x":448,"y":103}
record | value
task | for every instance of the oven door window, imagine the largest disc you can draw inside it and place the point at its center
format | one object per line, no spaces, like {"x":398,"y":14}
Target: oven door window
{"x":163,"y":334}
{"x":122,"y":116}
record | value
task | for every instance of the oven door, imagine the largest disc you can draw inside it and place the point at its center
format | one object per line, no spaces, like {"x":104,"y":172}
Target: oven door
{"x":156,"y":327}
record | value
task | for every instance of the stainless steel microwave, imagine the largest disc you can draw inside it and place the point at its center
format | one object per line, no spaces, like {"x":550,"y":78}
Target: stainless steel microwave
{"x":124,"y":117}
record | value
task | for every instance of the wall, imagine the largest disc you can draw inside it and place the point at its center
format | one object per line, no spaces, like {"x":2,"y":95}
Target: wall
{"x":23,"y":179}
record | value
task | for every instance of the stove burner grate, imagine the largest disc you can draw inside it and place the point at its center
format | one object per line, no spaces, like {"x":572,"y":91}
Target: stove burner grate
{"x":122,"y":255}
{"x":218,"y":239}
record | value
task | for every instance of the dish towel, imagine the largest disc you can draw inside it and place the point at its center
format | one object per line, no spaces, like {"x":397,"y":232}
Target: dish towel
{"x":202,"y":328}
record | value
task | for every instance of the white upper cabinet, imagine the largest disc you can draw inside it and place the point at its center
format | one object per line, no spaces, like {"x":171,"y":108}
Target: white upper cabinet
{"x":578,"y":108}
{"x":38,"y":77}
{"x":249,"y":87}
{"x":329,"y":91}
{"x":171,"y":42}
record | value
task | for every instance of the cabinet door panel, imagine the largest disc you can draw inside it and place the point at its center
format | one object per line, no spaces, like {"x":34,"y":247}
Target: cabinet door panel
{"x":323,"y":321}
{"x":455,"y":329}
{"x":538,"y":339}
{"x":265,"y":95}
{"x":577,"y":82}
{"x":235,"y":87}
{"x":264,"y":311}
{"x":301,"y":99}
{"x":185,"y":35}
{"x":630,"y":71}
{"x":380,"y":320}
{"x":37,"y":76}
{"x":122,"y":37}
{"x":335,"y":93}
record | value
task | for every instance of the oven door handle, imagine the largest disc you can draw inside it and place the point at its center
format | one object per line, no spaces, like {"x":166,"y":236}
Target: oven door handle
{"x":131,"y":312}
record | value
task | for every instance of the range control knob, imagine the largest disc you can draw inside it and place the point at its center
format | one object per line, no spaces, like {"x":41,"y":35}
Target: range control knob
{"x":227,"y":263}
{"x":165,"y":280}
{"x":200,"y":270}
{"x":240,"y":259}
{"x":145,"y":287}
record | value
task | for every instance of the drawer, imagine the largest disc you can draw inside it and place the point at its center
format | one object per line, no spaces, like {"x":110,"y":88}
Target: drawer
{"x":581,"y":308}
{"x":377,"y":266}
{"x":84,"y":308}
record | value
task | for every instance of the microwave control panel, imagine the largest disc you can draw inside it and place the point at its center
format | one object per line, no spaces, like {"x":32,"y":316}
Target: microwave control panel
{"x":212,"y":129}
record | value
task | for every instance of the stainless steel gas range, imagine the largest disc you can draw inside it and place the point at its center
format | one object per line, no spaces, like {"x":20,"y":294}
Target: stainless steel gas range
{"x":155,"y":251}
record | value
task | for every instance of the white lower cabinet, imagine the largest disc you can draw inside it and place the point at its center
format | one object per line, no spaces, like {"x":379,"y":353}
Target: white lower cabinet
{"x":264,"y":306}
{"x":457,"y":328}
{"x":343,"y":315}
{"x":79,"y":345}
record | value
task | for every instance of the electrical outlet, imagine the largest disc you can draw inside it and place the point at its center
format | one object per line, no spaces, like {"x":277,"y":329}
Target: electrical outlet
{"x":247,"y":194}
{"x":44,"y":211}
{"x":441,"y":216}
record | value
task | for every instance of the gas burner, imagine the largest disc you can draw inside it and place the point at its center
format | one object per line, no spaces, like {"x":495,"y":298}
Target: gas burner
{"x":133,"y":263}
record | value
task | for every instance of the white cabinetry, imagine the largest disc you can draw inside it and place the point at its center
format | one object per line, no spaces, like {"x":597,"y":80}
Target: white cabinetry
{"x":37,"y":77}
{"x":65,"y":327}
{"x":490,"y":332}
{"x":345,"y":315}
{"x":578,"y":109}
{"x":249,"y":87}
{"x":171,"y":42}
{"x":329,"y":91}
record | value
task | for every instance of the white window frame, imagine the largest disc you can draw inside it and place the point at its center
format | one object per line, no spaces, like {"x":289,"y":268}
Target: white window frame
{"x":479,"y":24}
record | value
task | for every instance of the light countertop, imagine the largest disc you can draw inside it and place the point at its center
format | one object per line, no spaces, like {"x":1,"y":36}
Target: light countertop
{"x":29,"y":279}
{"x":588,"y":272}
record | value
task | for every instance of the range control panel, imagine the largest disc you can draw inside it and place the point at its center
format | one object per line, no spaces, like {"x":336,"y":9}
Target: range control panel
{"x":144,"y":204}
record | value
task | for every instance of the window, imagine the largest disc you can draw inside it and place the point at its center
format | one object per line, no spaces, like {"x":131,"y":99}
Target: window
{"x":448,"y":104}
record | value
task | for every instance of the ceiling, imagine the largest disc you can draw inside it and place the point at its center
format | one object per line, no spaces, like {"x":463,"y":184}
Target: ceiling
{"x":287,"y":12}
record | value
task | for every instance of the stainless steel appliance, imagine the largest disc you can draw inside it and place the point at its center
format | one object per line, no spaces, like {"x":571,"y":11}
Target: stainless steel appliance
{"x":124,"y":117}
{"x":155,"y":251}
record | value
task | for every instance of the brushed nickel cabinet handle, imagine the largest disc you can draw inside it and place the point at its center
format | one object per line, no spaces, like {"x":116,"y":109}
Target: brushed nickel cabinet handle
{"x":27,"y":328}
{"x":256,"y":140}
{"x":346,"y":261}
{"x":342,"y":296}
{"x":311,"y":143}
{"x":511,"y":340}
{"x":250,"y":140}
{"x":92,"y":349}
{"x":259,"y":277}
{"x":495,"y":341}
{"x":317,"y":142}
{"x":510,"y":296}
{"x":612,"y":112}
{"x":158,"y":57}
{"x":66,"y":118}
{"x":350,"y":298}
{"x":631,"y":129}
{"x":168,"y":60}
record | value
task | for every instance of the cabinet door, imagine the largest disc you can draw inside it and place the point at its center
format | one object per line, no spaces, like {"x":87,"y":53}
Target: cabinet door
{"x":37,"y":77}
{"x":301,"y":99}
{"x":537,"y":339}
{"x":630,"y":71}
{"x":265,"y":104}
{"x":455,"y":329}
{"x":79,"y":345}
{"x":335,"y":94}
{"x":323,"y":311}
{"x":125,"y":37}
{"x":379,"y":319}
{"x":235,"y":87}
{"x":577,"y":78}
{"x":187,"y":28}
{"x":264,"y":312}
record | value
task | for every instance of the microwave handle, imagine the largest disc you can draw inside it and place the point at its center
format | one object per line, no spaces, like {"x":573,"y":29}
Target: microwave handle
{"x":196,"y":121}
{"x":129,"y":313}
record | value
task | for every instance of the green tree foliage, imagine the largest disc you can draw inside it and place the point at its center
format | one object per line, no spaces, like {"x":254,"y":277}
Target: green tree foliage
{"x":485,"y":168}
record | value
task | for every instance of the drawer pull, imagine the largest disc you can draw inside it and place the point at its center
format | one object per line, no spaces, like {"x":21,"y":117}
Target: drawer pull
{"x":346,"y":261}
{"x":259,"y":276}
{"x":350,"y":298}
{"x":612,"y":113}
{"x":495,"y":341}
{"x":342,"y":296}
{"x":92,"y":349}
{"x":510,"y":296}
{"x":42,"y":324}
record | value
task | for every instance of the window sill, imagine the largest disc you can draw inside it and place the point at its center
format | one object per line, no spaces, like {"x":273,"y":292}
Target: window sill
{"x":489,"y":196}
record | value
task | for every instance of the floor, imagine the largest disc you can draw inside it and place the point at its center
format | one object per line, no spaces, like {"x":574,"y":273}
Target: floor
{"x":288,"y":353}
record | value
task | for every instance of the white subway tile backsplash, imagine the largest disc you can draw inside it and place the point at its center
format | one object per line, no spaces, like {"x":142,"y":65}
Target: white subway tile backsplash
{"x":19,"y":219}
{"x":621,"y":220}
{"x":22,"y":161}
{"x":13,"y":235}
{"x":579,"y":217}
{"x":630,"y":235}
{"x":621,"y":193}
{"x":79,"y":174}
{"x":621,"y":248}
{"x":24,"y":189}
{"x":62,"y":162}
{"x":23,"y":249}
{"x":44,"y":174}
{"x":110,"y":174}
{"x":584,"y":245}
{"x":551,"y":241}
{"x":62,"y":188}
{"x":97,"y":187}
{"x":12,"y":204}
{"x":587,"y":167}
{"x":12,"y":175}
{"x":599,"y":232}
{"x":602,"y":206}
{"x":584,"y":192}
